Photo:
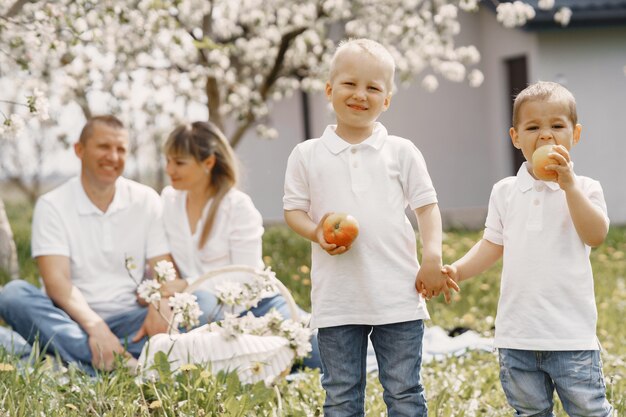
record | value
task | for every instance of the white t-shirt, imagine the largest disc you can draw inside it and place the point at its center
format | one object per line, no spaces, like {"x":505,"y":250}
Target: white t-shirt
{"x":546,"y":298}
{"x":67,"y":223}
{"x":374,"y":282}
{"x":235,"y":238}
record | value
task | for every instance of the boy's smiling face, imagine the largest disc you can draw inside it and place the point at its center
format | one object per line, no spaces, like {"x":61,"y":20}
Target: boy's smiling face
{"x":544,"y":122}
{"x":359,"y":91}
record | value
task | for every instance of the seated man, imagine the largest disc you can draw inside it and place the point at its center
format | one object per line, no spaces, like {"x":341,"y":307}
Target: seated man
{"x":83,"y":233}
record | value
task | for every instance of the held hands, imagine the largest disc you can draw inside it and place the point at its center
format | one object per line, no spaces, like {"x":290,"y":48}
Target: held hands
{"x":432,"y":281}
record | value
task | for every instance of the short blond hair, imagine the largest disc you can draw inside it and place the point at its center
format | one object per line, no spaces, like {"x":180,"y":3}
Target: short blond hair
{"x":545,"y":91}
{"x":371,"y":47}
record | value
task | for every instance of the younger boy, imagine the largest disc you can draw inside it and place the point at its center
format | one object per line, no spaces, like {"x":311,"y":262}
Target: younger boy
{"x":357,"y":168}
{"x":546,"y":321}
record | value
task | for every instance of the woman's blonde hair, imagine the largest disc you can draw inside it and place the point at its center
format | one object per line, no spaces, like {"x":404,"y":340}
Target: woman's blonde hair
{"x":200,"y":140}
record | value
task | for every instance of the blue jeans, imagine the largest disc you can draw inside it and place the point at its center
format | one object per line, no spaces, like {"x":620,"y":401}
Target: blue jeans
{"x":529,"y":379}
{"x":13,"y":343}
{"x":32,"y":314}
{"x":213,"y":311}
{"x":398,"y":348}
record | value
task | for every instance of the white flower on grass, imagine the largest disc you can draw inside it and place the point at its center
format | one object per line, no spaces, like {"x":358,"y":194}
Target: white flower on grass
{"x":430,"y":83}
{"x":563,"y":16}
{"x":149,"y":290}
{"x":546,"y":4}
{"x":165,"y":271}
{"x":185,"y":310}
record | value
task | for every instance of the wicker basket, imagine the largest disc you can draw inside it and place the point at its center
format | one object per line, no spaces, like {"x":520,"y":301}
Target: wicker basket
{"x":255,"y":358}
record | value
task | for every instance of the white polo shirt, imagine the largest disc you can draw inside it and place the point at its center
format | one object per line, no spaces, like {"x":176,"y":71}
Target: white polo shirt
{"x":67,"y":223}
{"x":547,"y":297}
{"x":236,"y":235}
{"x":374,"y":282}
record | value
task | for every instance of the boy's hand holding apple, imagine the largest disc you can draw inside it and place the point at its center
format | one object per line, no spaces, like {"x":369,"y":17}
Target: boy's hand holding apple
{"x":553,"y":163}
{"x":336,"y":231}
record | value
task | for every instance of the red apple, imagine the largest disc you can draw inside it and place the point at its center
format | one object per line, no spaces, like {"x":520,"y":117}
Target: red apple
{"x":540,"y":160}
{"x":340,"y":229}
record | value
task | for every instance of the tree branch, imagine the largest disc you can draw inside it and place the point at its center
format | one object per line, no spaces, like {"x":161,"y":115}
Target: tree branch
{"x":15,"y":8}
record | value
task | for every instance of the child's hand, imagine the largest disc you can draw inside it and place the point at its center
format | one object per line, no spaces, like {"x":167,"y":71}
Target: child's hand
{"x":431,"y":281}
{"x":565,"y":174}
{"x":330,"y":248}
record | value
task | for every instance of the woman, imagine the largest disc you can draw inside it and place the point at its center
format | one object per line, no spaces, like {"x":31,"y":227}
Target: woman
{"x":208,"y":221}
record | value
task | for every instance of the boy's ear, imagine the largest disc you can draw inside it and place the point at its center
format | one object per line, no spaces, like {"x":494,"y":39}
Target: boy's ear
{"x":577,"y":129}
{"x":387,"y":102}
{"x":514,"y":138}
{"x":328,"y":90}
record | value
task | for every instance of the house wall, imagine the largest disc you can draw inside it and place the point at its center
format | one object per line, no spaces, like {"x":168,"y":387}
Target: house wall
{"x":590,"y":62}
{"x":463,"y":131}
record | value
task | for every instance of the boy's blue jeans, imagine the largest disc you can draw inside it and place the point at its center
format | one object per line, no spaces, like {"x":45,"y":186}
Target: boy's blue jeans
{"x":398,"y":348}
{"x":213,"y":311}
{"x":32,"y":314}
{"x":529,"y":379}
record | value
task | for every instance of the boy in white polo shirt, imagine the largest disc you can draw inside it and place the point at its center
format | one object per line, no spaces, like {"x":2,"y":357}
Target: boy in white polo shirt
{"x":546,"y":321}
{"x":370,"y":288}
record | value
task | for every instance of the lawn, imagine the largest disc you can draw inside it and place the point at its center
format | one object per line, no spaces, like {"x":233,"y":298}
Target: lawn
{"x":463,"y":386}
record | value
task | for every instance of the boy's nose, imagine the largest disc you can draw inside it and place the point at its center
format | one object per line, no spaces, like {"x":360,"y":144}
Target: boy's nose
{"x":359,"y":95}
{"x":545,"y":134}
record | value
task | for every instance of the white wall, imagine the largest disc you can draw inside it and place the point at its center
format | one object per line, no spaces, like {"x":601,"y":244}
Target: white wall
{"x":590,"y":62}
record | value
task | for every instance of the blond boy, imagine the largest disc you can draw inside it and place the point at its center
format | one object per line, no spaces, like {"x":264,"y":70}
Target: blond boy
{"x":368,"y":287}
{"x":544,"y":230}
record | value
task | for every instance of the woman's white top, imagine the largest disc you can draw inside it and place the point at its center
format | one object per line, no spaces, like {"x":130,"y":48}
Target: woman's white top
{"x":235,"y":238}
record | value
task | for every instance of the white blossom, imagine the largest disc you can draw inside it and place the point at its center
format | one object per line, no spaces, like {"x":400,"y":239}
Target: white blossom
{"x":165,"y":271}
{"x":475,"y":78}
{"x":514,"y":14}
{"x":545,"y":4}
{"x":563,"y":16}
{"x":430,"y":83}
{"x":150,"y":290}
{"x":185,"y":310}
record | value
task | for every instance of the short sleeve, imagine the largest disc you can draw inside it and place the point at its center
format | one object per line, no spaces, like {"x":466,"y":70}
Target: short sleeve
{"x":49,"y":234}
{"x":418,"y":187}
{"x":297,"y":194}
{"x":246,"y":232}
{"x":493,"y":225}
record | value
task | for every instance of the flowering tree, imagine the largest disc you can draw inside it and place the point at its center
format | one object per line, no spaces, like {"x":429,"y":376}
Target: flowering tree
{"x":152,"y":62}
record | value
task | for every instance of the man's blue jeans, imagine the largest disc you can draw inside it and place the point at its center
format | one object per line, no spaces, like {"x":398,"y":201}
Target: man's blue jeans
{"x":32,"y":314}
{"x":529,"y":379}
{"x":398,"y":348}
{"x":14,"y":344}
{"x":213,"y":311}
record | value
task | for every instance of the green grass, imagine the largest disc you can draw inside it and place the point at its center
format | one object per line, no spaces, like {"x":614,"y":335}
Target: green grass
{"x":462,"y":386}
